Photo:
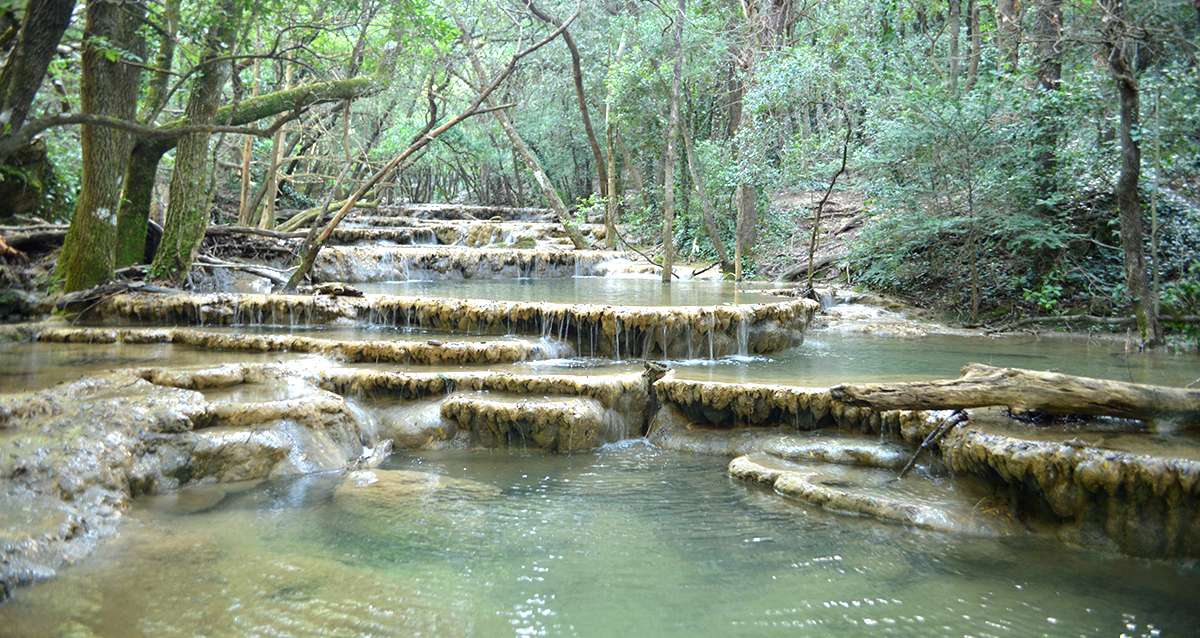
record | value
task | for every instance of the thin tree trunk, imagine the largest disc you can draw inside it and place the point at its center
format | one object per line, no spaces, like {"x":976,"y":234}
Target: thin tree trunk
{"x":580,"y":96}
{"x":108,"y":87}
{"x":668,"y":231}
{"x":955,"y":27}
{"x":1008,"y":32}
{"x":187,"y":212}
{"x":1048,"y":32}
{"x":706,"y":207}
{"x":41,"y":30}
{"x":245,"y":213}
{"x":635,"y":170}
{"x":164,"y":59}
{"x":976,"y":43}
{"x":1128,"y":201}
{"x":267,"y":221}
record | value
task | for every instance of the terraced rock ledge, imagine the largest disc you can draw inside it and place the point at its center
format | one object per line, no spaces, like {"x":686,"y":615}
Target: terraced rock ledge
{"x":593,"y":330}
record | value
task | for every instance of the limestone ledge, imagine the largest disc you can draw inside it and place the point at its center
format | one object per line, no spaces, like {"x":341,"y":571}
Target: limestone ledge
{"x":1147,"y":504}
{"x":730,"y":405}
{"x":595,"y":330}
{"x":350,"y":351}
{"x":391,"y":263}
{"x":873,"y":493}
{"x":464,"y":211}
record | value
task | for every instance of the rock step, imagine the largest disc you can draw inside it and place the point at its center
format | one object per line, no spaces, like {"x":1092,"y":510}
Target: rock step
{"x":559,"y":424}
{"x":427,"y":352}
{"x":940,"y":506}
{"x":402,"y":263}
{"x":464,"y":211}
{"x":475,"y":233}
{"x":671,"y":431}
{"x":595,"y":330}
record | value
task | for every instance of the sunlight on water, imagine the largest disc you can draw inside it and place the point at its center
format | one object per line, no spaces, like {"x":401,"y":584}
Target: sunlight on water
{"x":627,"y":540}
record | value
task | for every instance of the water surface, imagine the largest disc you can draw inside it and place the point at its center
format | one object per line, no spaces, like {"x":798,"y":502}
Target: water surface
{"x":615,"y":291}
{"x":628,"y":540}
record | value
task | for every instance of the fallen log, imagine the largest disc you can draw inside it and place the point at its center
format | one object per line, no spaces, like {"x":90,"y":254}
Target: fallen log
{"x":1029,"y":390}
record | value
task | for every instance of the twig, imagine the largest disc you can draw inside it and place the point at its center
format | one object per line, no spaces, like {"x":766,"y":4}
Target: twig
{"x":643,"y":255}
{"x":945,"y":426}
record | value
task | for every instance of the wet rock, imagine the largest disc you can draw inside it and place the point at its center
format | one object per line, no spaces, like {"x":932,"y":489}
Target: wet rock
{"x":597,"y":330}
{"x":911,"y":501}
{"x":558,"y":424}
{"x":400,"y":263}
{"x":348,"y":350}
{"x":671,"y":430}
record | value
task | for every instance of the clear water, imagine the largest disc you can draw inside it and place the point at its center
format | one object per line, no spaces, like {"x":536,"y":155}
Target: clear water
{"x":590,"y":290}
{"x":625,"y":541}
{"x":828,"y":358}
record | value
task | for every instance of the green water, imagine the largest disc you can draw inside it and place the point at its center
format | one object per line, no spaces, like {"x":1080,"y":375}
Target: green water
{"x":628,"y":540}
{"x":615,"y":291}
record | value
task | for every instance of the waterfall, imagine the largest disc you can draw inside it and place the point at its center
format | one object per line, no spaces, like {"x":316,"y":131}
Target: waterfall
{"x":743,"y":334}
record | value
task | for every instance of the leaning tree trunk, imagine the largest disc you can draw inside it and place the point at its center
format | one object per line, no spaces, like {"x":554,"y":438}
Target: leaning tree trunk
{"x":580,"y":97}
{"x":187,"y":213}
{"x":41,"y":29}
{"x":1128,"y":201}
{"x":668,"y":231}
{"x":531,"y":161}
{"x":108,"y":87}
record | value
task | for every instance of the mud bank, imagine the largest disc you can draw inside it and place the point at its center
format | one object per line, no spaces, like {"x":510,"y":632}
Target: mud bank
{"x":405,"y":263}
{"x":430,"y":352}
{"x":593,"y":330}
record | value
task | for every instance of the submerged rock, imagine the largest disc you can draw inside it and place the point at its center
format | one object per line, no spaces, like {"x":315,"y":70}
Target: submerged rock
{"x":387,"y":488}
{"x":914,"y":501}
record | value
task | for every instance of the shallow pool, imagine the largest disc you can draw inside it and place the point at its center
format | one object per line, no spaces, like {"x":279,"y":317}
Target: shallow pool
{"x":615,"y":291}
{"x":627,"y":540}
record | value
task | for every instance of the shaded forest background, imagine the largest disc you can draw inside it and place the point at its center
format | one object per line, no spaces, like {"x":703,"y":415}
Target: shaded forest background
{"x":989,"y":159}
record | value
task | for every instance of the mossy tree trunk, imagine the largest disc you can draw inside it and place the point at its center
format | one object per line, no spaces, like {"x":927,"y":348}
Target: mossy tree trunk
{"x":706,"y":206}
{"x":147,"y":153}
{"x":109,"y":87}
{"x":187,"y":212}
{"x":41,"y":30}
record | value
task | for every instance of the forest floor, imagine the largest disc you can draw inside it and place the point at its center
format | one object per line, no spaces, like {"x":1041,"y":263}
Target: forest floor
{"x":785,"y":256}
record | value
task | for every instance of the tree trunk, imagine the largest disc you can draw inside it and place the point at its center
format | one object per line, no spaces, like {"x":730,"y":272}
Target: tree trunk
{"x":245,"y":213}
{"x":147,"y":153}
{"x":612,"y":204}
{"x":1048,"y":33}
{"x":706,"y":207}
{"x":1028,"y":390}
{"x":110,"y":88}
{"x":635,"y":171}
{"x":1128,"y":200}
{"x":267,"y":221}
{"x":955,"y":27}
{"x":187,"y":213}
{"x":976,"y":43}
{"x":164,"y":59}
{"x":746,"y":200}
{"x":580,"y":97}
{"x":668,"y":232}
{"x":1008,"y":32}
{"x":41,"y":30}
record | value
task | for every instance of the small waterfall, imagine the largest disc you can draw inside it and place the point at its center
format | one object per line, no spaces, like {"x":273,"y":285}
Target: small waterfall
{"x":712,"y":327}
{"x":743,"y":335}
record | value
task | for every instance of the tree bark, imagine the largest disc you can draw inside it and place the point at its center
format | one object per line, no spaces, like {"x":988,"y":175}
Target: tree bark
{"x":1129,"y":202}
{"x":187,"y":213}
{"x":1028,"y":390}
{"x":668,"y":231}
{"x":108,"y":87}
{"x":1008,"y":32}
{"x":706,"y":207}
{"x":41,"y":30}
{"x":1048,"y":33}
{"x":580,"y":96}
{"x":164,"y":60}
{"x":955,"y":27}
{"x":976,"y":43}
